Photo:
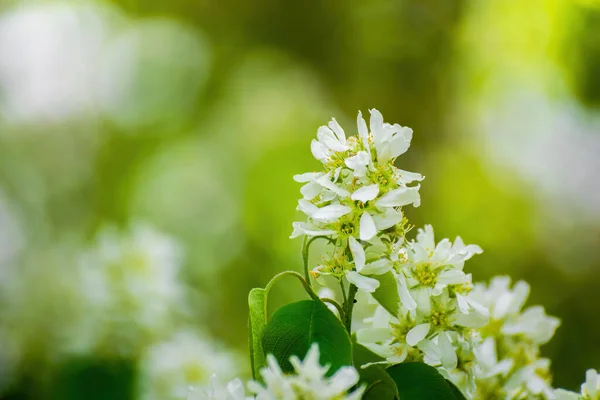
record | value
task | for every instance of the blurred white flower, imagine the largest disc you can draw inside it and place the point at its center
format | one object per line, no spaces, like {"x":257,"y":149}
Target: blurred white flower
{"x":66,"y":60}
{"x":130,"y":284}
{"x":508,"y":359}
{"x":187,"y":359}
{"x":50,"y":58}
{"x":233,"y":390}
{"x":308,"y":382}
{"x":590,"y":389}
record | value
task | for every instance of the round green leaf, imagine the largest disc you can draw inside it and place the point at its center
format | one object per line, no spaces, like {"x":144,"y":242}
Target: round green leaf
{"x":294,"y":327}
{"x":419,"y":381}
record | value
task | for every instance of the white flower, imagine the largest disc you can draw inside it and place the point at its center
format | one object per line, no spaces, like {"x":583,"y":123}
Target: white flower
{"x":590,"y":389}
{"x":308,"y":382}
{"x":390,"y":140}
{"x":129,"y":283}
{"x":187,"y":359}
{"x":360,"y":191}
{"x":531,"y":378}
{"x":505,"y":308}
{"x":427,"y":269}
{"x":508,"y":359}
{"x":234,"y":390}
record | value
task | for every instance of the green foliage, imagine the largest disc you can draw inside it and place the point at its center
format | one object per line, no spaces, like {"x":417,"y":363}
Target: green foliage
{"x":257,"y":318}
{"x":387,"y":292}
{"x":294,"y":327}
{"x":379,"y":384}
{"x":95,"y":379}
{"x":419,"y":381}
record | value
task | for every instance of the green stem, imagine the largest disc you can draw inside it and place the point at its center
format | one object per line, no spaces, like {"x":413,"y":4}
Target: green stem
{"x":343,"y":288}
{"x":280,"y":275}
{"x":335,"y":304}
{"x":348,"y":306}
{"x":305,"y":247}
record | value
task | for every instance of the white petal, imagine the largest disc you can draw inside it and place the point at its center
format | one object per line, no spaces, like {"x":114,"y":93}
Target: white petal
{"x":387,"y":220}
{"x":307,"y":176}
{"x":343,"y":380}
{"x":452,"y":277}
{"x":319,"y":150}
{"x":327,"y":137}
{"x":502,"y":305}
{"x":307,"y":208}
{"x":433,"y":354}
{"x":426,"y":237}
{"x":331,"y":212}
{"x":408,"y":177}
{"x":303,"y":228}
{"x":462,"y":304}
{"x":400,"y":197}
{"x":378,"y":267}
{"x":364,"y":283}
{"x":449,"y":359}
{"x":562,"y":394}
{"x":326,"y":182}
{"x":376,"y":121}
{"x":366,"y":193}
{"x":367,"y":227}
{"x":400,"y":142}
{"x":311,"y":190}
{"x":339,"y":132}
{"x":360,"y":160}
{"x":358,"y":253}
{"x":418,"y":333}
{"x":407,"y":301}
{"x":592,"y":382}
{"x":363,"y":131}
{"x":373,"y":335}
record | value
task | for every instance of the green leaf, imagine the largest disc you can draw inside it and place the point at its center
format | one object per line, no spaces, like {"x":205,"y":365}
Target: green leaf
{"x":294,"y":327}
{"x":257,"y":318}
{"x":379,"y":384}
{"x":418,"y":381}
{"x":457,"y":393}
{"x":387,"y":292}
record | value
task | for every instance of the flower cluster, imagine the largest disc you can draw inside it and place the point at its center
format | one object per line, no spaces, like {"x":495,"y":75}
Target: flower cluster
{"x":508,"y":359}
{"x":435,"y":319}
{"x":477,"y":336}
{"x":590,"y":389}
{"x":309,"y":382}
{"x":358,"y":196}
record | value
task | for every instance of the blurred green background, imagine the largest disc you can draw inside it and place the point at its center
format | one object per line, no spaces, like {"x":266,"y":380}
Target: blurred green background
{"x":191,"y":117}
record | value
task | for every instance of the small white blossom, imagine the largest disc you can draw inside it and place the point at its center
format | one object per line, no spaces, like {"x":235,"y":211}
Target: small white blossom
{"x":169,"y":368}
{"x":308,"y":382}
{"x":590,"y":389}
{"x":233,"y":390}
{"x":130,"y":284}
{"x":508,"y":361}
